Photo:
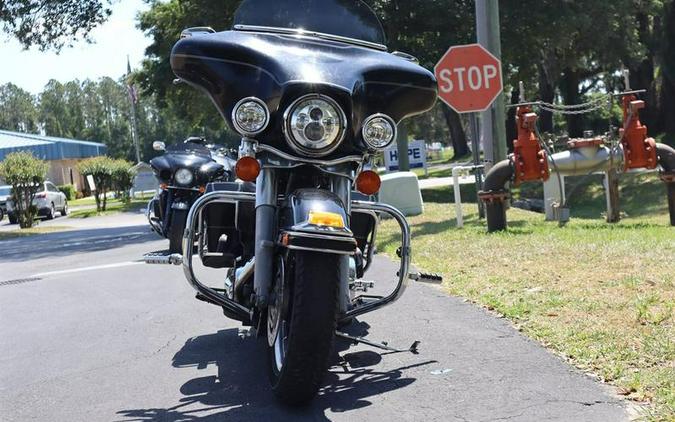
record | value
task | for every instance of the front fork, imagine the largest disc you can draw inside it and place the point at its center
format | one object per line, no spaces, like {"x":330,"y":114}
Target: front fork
{"x":266,"y":231}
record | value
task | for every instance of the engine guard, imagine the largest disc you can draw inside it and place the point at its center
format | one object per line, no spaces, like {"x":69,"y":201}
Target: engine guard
{"x":244,"y":314}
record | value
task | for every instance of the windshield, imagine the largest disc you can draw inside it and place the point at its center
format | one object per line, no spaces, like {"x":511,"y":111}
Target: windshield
{"x":344,"y":18}
{"x":188,"y":148}
{"x":5,"y":190}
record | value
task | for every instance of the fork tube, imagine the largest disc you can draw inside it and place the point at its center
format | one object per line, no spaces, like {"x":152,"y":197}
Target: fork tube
{"x":265,"y":226}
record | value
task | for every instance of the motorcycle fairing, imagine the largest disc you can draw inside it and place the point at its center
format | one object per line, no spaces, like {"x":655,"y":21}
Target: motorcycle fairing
{"x":276,"y":68}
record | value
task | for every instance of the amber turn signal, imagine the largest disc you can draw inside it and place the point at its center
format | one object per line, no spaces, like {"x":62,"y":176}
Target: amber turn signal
{"x":247,"y":169}
{"x":368,"y":182}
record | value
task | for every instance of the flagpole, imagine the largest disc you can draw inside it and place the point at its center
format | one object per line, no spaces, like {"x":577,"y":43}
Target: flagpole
{"x":132,"y":100}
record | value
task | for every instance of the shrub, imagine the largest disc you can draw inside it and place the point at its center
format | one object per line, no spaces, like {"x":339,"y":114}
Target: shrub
{"x":101,"y":169}
{"x":123,"y":178}
{"x":26,"y":174}
{"x":69,"y":191}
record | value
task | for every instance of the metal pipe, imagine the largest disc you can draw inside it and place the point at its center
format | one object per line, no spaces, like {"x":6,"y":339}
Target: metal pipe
{"x":208,"y":293}
{"x":265,"y":230}
{"x":456,"y":172}
{"x":580,"y":161}
{"x":665,"y":156}
{"x":403,"y":273}
{"x":495,"y":183}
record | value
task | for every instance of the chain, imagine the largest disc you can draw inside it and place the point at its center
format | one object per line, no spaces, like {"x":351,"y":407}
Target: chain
{"x":576,"y":109}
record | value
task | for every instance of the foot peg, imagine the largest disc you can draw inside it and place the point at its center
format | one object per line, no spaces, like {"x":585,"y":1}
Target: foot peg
{"x":362,"y":286}
{"x":425,"y":277}
{"x":163,"y":258}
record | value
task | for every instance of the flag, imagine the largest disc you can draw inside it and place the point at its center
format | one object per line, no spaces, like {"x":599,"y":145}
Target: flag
{"x":131,"y":89}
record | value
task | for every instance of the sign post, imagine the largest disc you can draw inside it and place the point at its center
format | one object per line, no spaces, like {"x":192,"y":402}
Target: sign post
{"x":469,"y":81}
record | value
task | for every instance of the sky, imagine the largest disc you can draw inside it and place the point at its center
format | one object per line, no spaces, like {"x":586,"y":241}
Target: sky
{"x":106,"y":56}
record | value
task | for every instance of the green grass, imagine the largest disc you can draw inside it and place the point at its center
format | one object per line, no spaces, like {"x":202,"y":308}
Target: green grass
{"x":32,"y":231}
{"x":112,"y":207}
{"x":89,"y":200}
{"x":601,"y":296}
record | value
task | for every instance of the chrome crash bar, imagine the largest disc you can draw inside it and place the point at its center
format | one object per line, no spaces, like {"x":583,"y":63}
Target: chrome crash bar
{"x":403,"y":277}
{"x":215,"y":297}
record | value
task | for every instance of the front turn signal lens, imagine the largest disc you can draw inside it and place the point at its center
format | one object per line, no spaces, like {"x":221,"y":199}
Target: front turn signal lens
{"x":326,"y":219}
{"x":368,"y":182}
{"x":247,"y":169}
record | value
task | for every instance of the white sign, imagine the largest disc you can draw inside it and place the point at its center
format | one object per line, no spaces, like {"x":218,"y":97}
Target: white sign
{"x":90,"y":182}
{"x":417,"y":155}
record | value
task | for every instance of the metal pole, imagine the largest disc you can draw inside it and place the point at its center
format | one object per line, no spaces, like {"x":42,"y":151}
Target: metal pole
{"x":475,"y":149}
{"x":402,"y":143}
{"x":493,"y":128}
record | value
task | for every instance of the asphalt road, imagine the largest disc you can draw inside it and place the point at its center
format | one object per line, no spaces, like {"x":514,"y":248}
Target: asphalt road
{"x":88,"y":333}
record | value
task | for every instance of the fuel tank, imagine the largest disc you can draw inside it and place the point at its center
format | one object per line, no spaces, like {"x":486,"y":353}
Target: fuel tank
{"x":278,"y":68}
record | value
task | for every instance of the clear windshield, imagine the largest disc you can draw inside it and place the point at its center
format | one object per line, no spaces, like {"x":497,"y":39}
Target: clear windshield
{"x":344,"y":18}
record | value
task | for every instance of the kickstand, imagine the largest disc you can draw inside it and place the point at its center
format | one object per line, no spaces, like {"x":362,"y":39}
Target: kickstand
{"x":383,"y":345}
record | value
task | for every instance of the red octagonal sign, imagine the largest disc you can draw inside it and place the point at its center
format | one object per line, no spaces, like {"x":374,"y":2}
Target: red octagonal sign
{"x":469,"y":78}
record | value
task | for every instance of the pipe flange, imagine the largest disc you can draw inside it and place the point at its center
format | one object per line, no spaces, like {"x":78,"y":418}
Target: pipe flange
{"x":577,"y":143}
{"x":494,"y":196}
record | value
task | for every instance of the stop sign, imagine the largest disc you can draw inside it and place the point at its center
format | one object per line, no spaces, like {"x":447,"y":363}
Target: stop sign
{"x":469,"y":78}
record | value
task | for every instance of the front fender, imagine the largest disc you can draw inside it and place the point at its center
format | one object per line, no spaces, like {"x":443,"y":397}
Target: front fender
{"x":299,"y":231}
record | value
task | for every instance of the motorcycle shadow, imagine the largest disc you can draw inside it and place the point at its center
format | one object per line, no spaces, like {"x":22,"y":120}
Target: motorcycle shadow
{"x":240,"y":390}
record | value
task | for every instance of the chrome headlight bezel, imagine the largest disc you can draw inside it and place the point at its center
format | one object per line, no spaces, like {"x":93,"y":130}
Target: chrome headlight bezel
{"x":297,"y":144}
{"x":237,"y":125}
{"x":370,"y":119}
{"x":184,"y":172}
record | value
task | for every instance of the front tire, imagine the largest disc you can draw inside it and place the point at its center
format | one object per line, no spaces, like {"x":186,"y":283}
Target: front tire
{"x":299,"y":357}
{"x":176,"y":229}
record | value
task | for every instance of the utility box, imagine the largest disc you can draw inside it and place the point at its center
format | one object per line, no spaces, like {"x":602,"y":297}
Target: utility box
{"x":402,"y":191}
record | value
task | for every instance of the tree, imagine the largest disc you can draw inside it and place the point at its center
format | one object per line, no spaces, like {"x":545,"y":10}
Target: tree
{"x":101,"y":169}
{"x":17,"y":109}
{"x":122,"y":178}
{"x":25,"y":174}
{"x":51,"y":23}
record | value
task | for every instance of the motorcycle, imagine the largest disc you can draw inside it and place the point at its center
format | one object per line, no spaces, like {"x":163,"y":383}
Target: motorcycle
{"x":314,"y":93}
{"x":183,"y":171}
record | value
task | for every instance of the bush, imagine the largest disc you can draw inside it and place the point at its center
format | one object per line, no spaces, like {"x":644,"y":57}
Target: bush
{"x":101,"y":169}
{"x":26,"y":174}
{"x":122,"y":178}
{"x":69,"y":191}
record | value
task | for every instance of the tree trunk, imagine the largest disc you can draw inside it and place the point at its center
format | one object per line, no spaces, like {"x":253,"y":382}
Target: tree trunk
{"x":668,"y":74}
{"x":457,"y":135}
{"x":511,"y":127}
{"x":570,"y":92}
{"x":642,"y":76}
{"x":547,"y":94}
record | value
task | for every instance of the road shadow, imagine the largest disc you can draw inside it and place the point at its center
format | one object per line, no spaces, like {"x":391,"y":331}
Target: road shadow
{"x":240,"y":391}
{"x":73,"y":241}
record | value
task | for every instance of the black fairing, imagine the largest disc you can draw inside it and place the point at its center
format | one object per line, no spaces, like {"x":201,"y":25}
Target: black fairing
{"x":203,"y":167}
{"x":276,"y":68}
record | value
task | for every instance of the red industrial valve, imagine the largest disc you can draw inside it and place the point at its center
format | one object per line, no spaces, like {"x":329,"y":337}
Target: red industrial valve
{"x":639,"y":151}
{"x":530,"y":160}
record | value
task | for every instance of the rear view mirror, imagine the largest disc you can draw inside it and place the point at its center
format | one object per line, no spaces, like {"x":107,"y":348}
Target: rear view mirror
{"x":159,"y":146}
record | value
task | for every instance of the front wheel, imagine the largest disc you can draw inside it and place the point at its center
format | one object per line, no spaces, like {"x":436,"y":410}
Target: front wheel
{"x":176,"y":229}
{"x":301,"y":323}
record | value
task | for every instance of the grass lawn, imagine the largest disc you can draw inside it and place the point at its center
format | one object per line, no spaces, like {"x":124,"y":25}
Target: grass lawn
{"x":32,"y":231}
{"x":601,"y":296}
{"x":112,"y":207}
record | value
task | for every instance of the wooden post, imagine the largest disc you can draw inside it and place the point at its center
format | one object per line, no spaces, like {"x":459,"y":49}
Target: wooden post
{"x":612,"y":194}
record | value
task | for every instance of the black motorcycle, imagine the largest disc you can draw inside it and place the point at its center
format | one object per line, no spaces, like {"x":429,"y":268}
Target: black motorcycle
{"x":183,"y":172}
{"x":315,"y":94}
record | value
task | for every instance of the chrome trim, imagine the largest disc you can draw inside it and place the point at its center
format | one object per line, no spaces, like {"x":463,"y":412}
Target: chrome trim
{"x":293,"y":31}
{"x":403,"y":272}
{"x":153,"y":220}
{"x":385,"y":117}
{"x":188,"y":235}
{"x":254,"y":100}
{"x":293,"y":143}
{"x":331,"y":251}
{"x":340,"y":236}
{"x":304,"y":160}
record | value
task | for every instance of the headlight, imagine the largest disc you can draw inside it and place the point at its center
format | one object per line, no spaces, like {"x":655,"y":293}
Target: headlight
{"x":183,"y":177}
{"x":379,"y":131}
{"x":250,"y":116}
{"x":314,"y":125}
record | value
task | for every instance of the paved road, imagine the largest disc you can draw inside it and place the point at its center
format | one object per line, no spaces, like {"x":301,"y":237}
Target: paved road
{"x":116,"y":340}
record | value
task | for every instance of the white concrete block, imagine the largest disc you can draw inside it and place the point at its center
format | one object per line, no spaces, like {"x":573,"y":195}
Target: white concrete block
{"x":402,"y":191}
